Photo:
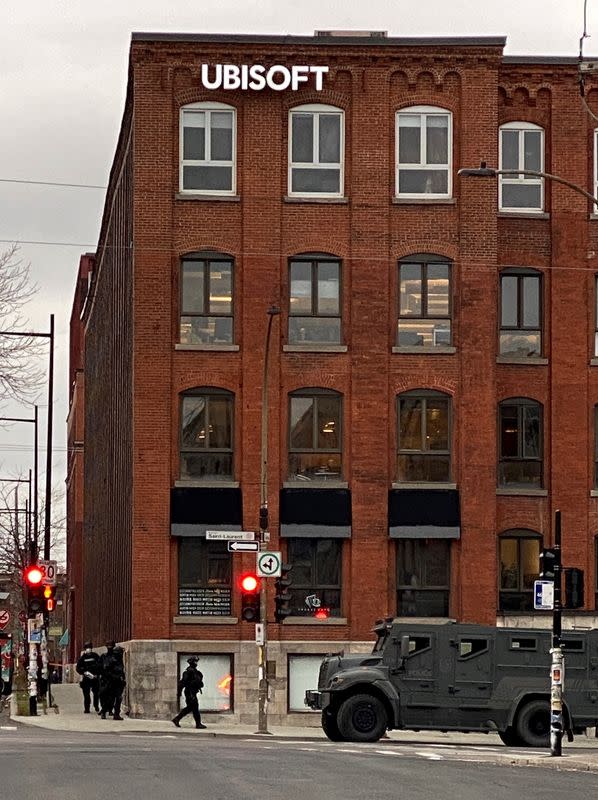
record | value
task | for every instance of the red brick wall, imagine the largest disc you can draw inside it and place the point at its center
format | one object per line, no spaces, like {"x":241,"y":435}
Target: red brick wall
{"x":369,"y":233}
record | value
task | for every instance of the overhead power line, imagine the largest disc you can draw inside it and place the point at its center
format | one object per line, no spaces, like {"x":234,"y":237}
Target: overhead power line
{"x":53,"y":183}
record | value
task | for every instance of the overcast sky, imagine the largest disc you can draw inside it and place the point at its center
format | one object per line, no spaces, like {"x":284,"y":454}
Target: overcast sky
{"x":63,"y":72}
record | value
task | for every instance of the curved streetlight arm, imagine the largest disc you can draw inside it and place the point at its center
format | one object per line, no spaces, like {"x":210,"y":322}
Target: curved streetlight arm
{"x":488,"y":172}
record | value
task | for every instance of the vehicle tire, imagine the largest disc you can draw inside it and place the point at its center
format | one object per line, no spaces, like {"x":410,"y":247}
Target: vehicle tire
{"x":510,"y":738}
{"x":532,"y":725}
{"x":330,"y":726}
{"x":362,"y":718}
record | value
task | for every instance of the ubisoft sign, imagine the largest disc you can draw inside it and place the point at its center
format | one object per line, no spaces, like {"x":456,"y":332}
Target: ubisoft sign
{"x":257,"y":77}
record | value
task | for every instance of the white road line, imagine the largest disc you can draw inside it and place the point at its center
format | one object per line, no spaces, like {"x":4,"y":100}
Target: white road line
{"x":8,"y":727}
{"x":431,"y":756}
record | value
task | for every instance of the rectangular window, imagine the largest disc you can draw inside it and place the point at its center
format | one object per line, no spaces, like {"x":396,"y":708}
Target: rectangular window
{"x":207,"y":436}
{"x":208,"y":149}
{"x":423,"y":577}
{"x":303,"y":675}
{"x":520,"y":458}
{"x":316,"y":152}
{"x":424,"y":143}
{"x":521,"y":146}
{"x":206,"y":301}
{"x":596,"y":573}
{"x":204,"y":578}
{"x":315,"y":437}
{"x":520,"y":315}
{"x":519,"y":566}
{"x":596,"y":314}
{"x":424,"y":304}
{"x":424,"y":438}
{"x":316,"y":576}
{"x":217,"y":671}
{"x":315,"y":310}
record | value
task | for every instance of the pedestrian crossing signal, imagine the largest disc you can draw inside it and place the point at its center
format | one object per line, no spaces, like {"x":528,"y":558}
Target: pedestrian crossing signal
{"x":50,"y":602}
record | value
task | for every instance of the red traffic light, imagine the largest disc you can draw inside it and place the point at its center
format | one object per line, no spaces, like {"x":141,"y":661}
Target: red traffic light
{"x":249,"y":583}
{"x":33,"y":576}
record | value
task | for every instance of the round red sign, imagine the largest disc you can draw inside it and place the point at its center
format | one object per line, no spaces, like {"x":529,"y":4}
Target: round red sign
{"x":4,"y":618}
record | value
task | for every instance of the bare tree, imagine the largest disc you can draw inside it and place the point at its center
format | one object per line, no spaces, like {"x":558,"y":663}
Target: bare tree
{"x":19,"y":374}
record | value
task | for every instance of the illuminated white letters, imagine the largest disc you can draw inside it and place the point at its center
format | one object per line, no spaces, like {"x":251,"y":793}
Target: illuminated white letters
{"x":257,"y":77}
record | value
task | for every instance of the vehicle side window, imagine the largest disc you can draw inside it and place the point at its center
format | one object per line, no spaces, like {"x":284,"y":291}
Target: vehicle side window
{"x":572,"y":645}
{"x":523,"y":643}
{"x":417,"y":644}
{"x":472,"y":647}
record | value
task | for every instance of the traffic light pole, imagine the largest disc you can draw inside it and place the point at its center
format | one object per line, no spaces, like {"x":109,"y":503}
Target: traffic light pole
{"x":273,"y":311}
{"x":557,"y":662}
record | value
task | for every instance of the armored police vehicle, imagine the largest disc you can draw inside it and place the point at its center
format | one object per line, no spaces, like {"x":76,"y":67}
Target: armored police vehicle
{"x":459,"y":677}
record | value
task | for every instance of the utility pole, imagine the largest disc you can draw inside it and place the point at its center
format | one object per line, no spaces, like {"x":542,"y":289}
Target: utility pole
{"x":273,"y":311}
{"x":557,"y":665}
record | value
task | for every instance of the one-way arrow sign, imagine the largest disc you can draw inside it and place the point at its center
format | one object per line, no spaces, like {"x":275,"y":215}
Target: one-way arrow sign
{"x":243,"y":547}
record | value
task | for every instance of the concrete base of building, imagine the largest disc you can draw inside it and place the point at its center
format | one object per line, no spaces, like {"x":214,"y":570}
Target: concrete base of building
{"x":153,"y":669}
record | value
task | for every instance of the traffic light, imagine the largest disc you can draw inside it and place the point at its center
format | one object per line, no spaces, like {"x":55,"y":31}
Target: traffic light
{"x":33,"y":577}
{"x":282,"y":598}
{"x":263,"y":518}
{"x":250,"y":598}
{"x":547,"y":562}
{"x":49,"y":598}
{"x":573,"y":588}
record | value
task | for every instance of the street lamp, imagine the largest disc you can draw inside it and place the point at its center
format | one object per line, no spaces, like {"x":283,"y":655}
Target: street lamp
{"x":34,"y":544}
{"x":272,"y":312}
{"x":484,"y":171}
{"x":556,"y":651}
{"x":47,"y":510}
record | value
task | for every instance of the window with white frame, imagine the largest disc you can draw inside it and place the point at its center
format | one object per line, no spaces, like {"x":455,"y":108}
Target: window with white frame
{"x":316,"y":151}
{"x":217,"y":670}
{"x":424,"y":145}
{"x":303,"y":675}
{"x":521,"y":146}
{"x":207,"y":148}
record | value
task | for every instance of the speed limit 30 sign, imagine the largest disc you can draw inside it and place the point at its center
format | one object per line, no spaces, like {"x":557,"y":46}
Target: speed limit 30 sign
{"x":269,"y":564}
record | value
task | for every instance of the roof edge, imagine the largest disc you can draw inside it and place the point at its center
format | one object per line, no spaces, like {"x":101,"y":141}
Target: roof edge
{"x":319,"y":41}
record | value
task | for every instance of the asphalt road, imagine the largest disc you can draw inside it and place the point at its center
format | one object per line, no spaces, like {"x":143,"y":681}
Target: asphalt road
{"x":36,"y":763}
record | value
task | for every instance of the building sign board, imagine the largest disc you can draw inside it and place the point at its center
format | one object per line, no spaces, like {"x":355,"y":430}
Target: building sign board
{"x":200,"y":602}
{"x":257,"y":77}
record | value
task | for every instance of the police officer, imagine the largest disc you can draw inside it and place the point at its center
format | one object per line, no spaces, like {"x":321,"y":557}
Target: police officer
{"x":88,"y":666}
{"x":112,"y":680}
{"x":190,"y":684}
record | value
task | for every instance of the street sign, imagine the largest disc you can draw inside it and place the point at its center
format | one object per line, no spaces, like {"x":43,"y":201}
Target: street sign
{"x":543,"y":595}
{"x":243,"y":547}
{"x":4,"y":618}
{"x":223,"y":536}
{"x":269,"y":564}
{"x":49,"y":568}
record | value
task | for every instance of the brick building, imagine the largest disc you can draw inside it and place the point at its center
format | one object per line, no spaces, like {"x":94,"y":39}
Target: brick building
{"x":432,"y":382}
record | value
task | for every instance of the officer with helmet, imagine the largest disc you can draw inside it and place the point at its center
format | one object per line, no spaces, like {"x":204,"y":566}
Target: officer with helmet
{"x":190,"y":684}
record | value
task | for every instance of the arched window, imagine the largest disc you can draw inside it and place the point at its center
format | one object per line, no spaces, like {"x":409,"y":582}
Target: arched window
{"x":315,"y":435}
{"x":520,"y":312}
{"x":316,"y":151}
{"x":424,"y":437}
{"x":207,"y":434}
{"x":206,"y":299}
{"x":423,"y":152}
{"x":425,"y":301}
{"x":208,"y":148}
{"x":314,"y":299}
{"x":519,"y":564}
{"x":520,"y":447}
{"x":521,"y":146}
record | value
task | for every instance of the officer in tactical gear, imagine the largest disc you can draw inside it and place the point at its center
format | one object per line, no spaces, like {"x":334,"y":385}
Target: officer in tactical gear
{"x":88,"y":666}
{"x":112,"y":680}
{"x":190,"y":684}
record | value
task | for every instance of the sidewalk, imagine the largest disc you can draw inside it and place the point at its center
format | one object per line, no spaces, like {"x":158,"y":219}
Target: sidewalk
{"x":582,"y":754}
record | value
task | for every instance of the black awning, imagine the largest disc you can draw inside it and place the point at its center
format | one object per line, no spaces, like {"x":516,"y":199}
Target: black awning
{"x":424,"y":514}
{"x":322,"y":513}
{"x":195,"y":509}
